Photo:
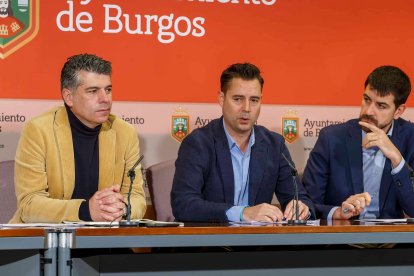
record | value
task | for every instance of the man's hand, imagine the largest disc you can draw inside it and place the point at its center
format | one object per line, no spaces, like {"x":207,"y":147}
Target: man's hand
{"x":262,"y":212}
{"x":107,"y":204}
{"x":353,"y":206}
{"x":377,"y":137}
{"x":290,"y":211}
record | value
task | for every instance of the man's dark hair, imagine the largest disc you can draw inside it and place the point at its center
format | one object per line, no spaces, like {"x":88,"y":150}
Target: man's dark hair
{"x":390,"y":80}
{"x":245,"y":71}
{"x":83,"y":62}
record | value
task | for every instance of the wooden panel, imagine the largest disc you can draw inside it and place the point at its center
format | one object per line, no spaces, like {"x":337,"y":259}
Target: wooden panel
{"x":194,"y":229}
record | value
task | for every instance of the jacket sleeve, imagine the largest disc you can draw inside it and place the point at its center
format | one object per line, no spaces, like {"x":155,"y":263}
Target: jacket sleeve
{"x":193,"y":167}
{"x":316,"y":175}
{"x":34,"y":203}
{"x":404,"y":184}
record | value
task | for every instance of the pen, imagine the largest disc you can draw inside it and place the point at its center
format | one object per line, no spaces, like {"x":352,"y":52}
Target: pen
{"x":346,"y":210}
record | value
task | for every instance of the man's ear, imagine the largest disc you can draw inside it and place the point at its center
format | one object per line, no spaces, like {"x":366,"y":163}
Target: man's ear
{"x":399,"y":111}
{"x":221,"y":98}
{"x":67,"y":97}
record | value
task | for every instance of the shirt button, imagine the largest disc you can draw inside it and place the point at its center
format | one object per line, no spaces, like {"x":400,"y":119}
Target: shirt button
{"x":399,"y":184}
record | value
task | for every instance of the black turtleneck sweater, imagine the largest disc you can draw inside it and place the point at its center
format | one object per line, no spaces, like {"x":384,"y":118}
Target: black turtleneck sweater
{"x":86,"y":155}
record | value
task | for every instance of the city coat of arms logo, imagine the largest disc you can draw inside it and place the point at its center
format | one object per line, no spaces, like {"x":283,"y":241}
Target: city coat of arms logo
{"x":180,"y":124}
{"x":290,"y":126}
{"x":19,"y":24}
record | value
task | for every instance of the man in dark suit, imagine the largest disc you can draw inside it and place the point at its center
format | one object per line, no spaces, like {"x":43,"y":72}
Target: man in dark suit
{"x":362,"y":168}
{"x":230,"y":169}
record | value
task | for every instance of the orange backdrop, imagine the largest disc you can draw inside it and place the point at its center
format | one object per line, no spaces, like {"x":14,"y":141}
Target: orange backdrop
{"x":311,"y":52}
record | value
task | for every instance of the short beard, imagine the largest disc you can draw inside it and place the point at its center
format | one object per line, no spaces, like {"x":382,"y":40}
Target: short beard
{"x":374,"y":122}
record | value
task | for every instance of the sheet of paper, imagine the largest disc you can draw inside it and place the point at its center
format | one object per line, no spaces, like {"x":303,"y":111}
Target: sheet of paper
{"x":383,"y":220}
{"x":90,"y":223}
{"x":32,"y":225}
{"x":262,"y":223}
{"x":256,"y":223}
{"x":115,"y":223}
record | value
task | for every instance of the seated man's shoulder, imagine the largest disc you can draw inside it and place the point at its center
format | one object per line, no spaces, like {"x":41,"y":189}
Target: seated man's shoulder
{"x":266,"y":134}
{"x":338,"y":128}
{"x":405,"y":125}
{"x":119,"y":124}
{"x":43,"y":119}
{"x":206,"y":132}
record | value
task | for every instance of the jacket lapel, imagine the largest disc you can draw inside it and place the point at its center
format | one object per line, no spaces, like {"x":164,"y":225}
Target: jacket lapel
{"x":354,"y":152}
{"x":386,"y":178}
{"x":64,"y":142}
{"x":224,"y":161}
{"x":107,"y":148}
{"x":257,"y":166}
{"x":385,"y":184}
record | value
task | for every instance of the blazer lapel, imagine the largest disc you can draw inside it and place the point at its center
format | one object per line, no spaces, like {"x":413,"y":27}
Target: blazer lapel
{"x":385,"y":183}
{"x":107,"y":148}
{"x":257,"y":166}
{"x":224,"y":161}
{"x":64,"y":141}
{"x":354,"y":152}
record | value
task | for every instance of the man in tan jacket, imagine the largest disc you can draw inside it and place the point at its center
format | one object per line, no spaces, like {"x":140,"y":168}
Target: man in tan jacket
{"x":72,"y":162}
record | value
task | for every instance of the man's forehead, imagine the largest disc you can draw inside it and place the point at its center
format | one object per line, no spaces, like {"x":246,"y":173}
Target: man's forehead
{"x":375,"y":95}
{"x":241,"y":86}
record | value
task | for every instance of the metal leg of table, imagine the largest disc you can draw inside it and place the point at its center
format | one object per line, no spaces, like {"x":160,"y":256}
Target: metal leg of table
{"x":49,"y":259}
{"x":64,"y":258}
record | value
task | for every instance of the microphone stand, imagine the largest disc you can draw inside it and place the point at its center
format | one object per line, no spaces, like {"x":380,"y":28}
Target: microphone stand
{"x":131,"y":175}
{"x":296,"y":221}
{"x":294,"y":174}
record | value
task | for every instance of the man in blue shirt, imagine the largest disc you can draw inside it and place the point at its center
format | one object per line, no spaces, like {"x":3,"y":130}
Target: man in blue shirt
{"x":230,"y":169}
{"x":362,"y":168}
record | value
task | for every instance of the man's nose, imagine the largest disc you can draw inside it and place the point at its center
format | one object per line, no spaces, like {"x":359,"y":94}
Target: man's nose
{"x":103,"y":96}
{"x":246,"y":106}
{"x":370,"y":109}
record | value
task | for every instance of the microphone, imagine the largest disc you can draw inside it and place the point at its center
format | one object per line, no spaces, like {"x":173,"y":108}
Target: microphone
{"x":294,"y":174}
{"x":131,"y":175}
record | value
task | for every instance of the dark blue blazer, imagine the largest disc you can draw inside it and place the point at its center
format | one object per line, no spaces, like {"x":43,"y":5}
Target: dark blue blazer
{"x":203,"y":186}
{"x":334,"y":170}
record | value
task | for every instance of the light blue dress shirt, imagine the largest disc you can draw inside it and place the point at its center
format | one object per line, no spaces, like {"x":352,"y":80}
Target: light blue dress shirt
{"x":373,"y":161}
{"x":240,"y":162}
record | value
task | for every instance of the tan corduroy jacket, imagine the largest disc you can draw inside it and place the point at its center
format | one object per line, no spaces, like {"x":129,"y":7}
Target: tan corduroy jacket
{"x":45,"y":169}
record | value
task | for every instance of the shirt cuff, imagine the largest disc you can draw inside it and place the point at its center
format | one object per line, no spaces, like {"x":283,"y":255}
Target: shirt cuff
{"x":309,"y":214}
{"x":398,"y":168}
{"x":235,"y":213}
{"x":84,"y":211}
{"x":331,"y":212}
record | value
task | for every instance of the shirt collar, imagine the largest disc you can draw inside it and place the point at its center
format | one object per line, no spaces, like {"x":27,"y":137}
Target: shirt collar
{"x":231,"y":141}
